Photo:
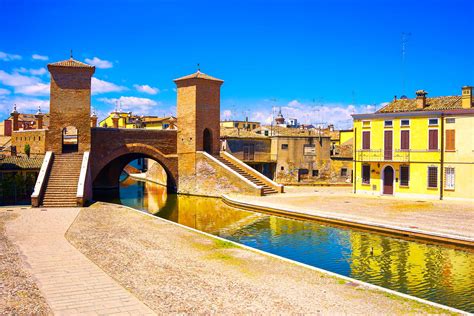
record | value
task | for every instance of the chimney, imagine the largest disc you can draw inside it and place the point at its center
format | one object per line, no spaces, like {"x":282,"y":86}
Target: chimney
{"x":15,"y":115}
{"x":394,"y":98}
{"x":39,"y":119}
{"x":94,"y":120}
{"x":466,"y":98}
{"x":421,"y":99}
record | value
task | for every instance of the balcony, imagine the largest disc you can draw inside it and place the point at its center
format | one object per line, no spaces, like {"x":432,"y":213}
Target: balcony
{"x":254,"y":157}
{"x":379,"y":155}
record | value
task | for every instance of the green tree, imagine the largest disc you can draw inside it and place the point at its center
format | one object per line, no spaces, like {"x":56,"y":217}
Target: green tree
{"x":27,"y":150}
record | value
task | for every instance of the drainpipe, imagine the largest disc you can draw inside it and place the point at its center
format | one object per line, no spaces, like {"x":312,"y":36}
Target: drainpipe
{"x":442,"y":160}
{"x":354,"y":173}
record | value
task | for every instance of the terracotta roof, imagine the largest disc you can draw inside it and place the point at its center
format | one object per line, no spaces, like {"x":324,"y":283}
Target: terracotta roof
{"x":198,"y":75}
{"x":18,"y":163}
{"x":432,"y":104}
{"x":71,"y":63}
{"x":239,"y":133}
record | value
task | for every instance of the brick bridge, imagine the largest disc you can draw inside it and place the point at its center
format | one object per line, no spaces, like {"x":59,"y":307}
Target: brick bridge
{"x":92,"y":158}
{"x":112,"y":149}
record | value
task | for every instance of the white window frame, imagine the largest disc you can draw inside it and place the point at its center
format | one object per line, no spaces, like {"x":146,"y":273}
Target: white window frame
{"x":401,"y":125}
{"x":449,"y":184}
{"x":388,"y":126}
{"x":435,"y":118}
{"x":370,"y":124}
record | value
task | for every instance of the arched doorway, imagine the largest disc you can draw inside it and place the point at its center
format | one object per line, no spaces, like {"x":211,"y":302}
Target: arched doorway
{"x":388,"y":177}
{"x":207,"y":141}
{"x":70,"y":140}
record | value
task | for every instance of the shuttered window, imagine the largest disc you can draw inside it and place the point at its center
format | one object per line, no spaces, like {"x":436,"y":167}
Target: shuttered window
{"x":405,"y":140}
{"x":449,"y":178}
{"x":404,"y":175}
{"x":433,"y":139}
{"x":432,"y":177}
{"x":366,"y":140}
{"x":366,"y":174}
{"x":450,"y":140}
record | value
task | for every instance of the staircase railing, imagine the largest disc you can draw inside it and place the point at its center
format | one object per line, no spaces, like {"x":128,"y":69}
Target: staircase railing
{"x":276,"y":186}
{"x":83,"y":186}
{"x":42,"y":179}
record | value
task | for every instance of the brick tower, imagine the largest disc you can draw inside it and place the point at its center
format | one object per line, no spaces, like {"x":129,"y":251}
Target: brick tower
{"x":70,"y":103}
{"x":198,"y":114}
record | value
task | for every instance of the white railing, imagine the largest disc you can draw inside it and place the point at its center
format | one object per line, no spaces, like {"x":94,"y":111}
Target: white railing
{"x":82,"y":178}
{"x":41,"y":180}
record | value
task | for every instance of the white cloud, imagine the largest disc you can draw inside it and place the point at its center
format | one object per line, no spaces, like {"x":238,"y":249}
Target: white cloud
{"x":102,"y":86}
{"x":226,"y":114}
{"x":35,"y":72}
{"x":99,"y":63}
{"x":4,"y":91}
{"x":15,"y":79}
{"x":23,"y":104}
{"x":146,"y":89}
{"x":133,"y":104}
{"x":39,"y":57}
{"x":9,"y":57}
{"x":308,"y":113}
{"x":34,"y":89}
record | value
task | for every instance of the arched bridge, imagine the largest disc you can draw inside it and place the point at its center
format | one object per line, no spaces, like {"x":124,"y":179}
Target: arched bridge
{"x":112,"y":149}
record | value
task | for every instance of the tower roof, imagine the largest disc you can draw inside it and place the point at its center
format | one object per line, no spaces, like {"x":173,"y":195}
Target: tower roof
{"x":70,"y":63}
{"x":198,"y":75}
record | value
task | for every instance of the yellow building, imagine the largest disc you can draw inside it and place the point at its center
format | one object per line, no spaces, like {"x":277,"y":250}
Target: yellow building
{"x":128,"y":120}
{"x":420,"y":148}
{"x":240,"y":125}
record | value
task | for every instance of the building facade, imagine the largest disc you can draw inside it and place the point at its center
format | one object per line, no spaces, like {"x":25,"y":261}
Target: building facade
{"x":421,"y":148}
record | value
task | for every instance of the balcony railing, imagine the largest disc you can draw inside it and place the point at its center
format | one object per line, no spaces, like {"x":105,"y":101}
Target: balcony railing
{"x":254,"y":157}
{"x":383,"y":155}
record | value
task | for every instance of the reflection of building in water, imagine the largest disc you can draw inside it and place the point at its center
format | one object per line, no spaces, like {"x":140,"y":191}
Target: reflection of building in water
{"x":154,"y":197}
{"x":410,"y":265}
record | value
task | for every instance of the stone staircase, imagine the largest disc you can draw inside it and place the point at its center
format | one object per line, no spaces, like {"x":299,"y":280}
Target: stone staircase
{"x":61,"y":188}
{"x":266,"y":189}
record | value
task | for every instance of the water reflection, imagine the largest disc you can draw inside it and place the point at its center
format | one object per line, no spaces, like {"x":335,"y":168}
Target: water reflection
{"x":436,"y":273}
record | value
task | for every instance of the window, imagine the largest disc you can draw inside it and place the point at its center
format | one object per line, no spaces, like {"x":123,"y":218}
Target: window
{"x":39,"y":137}
{"x":366,"y":140}
{"x":432,"y":177}
{"x":236,"y":125}
{"x":433,"y":139}
{"x":450,"y":140}
{"x":266,"y":133}
{"x":366,"y":174}
{"x":254,"y":126}
{"x":404,"y":176}
{"x":449,"y":178}
{"x":282,"y":168}
{"x":405,"y":140}
{"x":315,"y":173}
{"x":433,"y":122}
{"x":343,"y":172}
{"x":450,"y":120}
{"x":404,"y":122}
{"x":284,"y":146}
{"x":365,"y":123}
{"x":165,"y":126}
{"x":309,"y":150}
{"x":388,"y":124}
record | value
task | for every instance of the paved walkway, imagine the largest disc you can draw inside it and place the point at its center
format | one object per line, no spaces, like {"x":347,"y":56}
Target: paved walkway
{"x":453,"y":218}
{"x":70,"y":282}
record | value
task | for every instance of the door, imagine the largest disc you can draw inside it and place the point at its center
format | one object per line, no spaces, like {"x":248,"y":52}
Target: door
{"x":249,"y":152}
{"x":388,"y":180}
{"x":388,"y":145}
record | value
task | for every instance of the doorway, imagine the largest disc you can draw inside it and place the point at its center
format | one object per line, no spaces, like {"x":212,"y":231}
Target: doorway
{"x":388,"y":175}
{"x":207,"y":141}
{"x":249,"y":152}
{"x":70,"y":141}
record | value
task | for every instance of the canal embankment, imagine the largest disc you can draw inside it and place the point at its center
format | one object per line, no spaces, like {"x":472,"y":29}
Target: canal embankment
{"x":179,"y":270}
{"x":445,"y":222}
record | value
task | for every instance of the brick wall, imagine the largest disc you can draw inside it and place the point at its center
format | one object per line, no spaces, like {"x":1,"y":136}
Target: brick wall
{"x":35,"y":138}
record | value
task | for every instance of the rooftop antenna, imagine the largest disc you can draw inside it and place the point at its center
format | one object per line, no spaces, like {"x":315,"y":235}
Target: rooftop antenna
{"x":404,"y":42}
{"x":70,"y":52}
{"x":199,"y":67}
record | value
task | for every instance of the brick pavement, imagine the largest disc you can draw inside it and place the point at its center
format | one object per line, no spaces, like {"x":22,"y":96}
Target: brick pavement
{"x":69,"y":281}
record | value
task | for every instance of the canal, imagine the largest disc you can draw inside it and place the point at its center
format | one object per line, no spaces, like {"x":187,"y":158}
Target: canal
{"x":440,"y":274}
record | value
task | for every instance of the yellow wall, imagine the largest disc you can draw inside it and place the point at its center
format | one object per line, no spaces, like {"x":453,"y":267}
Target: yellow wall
{"x":419,"y":157}
{"x":122,"y":123}
{"x":345,"y":136}
{"x":241,"y":124}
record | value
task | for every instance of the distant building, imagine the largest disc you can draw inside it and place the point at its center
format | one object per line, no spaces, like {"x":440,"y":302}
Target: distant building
{"x":128,"y":120}
{"x":247,"y":125}
{"x":421,"y":147}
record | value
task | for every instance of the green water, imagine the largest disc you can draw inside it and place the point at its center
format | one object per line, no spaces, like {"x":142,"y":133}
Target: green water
{"x":436,"y":273}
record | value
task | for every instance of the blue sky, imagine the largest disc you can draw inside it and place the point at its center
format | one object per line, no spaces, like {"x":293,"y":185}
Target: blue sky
{"x":319,"y":60}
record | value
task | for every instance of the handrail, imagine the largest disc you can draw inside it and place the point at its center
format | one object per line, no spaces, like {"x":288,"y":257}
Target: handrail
{"x":41,"y":180}
{"x":279,"y":187}
{"x":231,"y":170}
{"x":82,"y":178}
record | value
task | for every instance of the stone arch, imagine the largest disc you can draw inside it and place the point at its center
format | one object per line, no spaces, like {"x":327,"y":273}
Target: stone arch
{"x":207,"y":141}
{"x":106,"y":170}
{"x":69,"y":139}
